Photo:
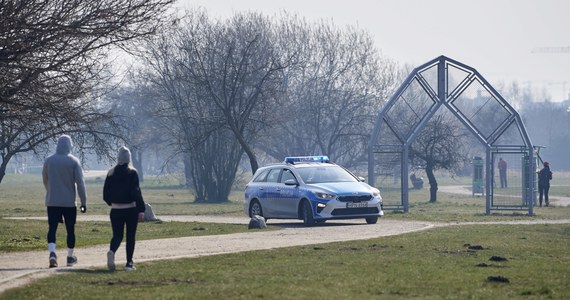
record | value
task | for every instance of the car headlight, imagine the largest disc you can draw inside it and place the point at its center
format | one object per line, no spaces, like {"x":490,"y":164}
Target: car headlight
{"x":325,"y":196}
{"x":376,"y":192}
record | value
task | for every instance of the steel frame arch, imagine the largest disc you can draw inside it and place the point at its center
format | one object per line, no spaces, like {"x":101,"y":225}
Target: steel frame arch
{"x":443,"y":96}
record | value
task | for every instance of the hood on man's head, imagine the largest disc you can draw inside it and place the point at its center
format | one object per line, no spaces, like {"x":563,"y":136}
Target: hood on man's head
{"x":124,"y":156}
{"x":64,"y":144}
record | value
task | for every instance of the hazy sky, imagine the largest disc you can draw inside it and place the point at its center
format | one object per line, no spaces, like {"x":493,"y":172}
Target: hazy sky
{"x":496,"y":37}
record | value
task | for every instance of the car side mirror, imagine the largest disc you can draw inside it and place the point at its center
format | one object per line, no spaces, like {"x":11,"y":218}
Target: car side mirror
{"x":361,"y":179}
{"x":291,"y":182}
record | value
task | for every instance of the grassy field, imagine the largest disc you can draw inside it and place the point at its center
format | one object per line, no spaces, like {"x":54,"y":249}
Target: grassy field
{"x":24,"y":195}
{"x":433,"y":264}
{"x":457,"y":262}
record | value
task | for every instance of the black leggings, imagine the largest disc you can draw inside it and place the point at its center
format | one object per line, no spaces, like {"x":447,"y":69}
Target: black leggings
{"x":543,"y":190}
{"x":69,"y":215}
{"x":120,"y":218}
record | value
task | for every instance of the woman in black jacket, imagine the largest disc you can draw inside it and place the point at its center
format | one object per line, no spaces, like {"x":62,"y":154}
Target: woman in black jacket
{"x":122,"y":192}
{"x":544,"y":177}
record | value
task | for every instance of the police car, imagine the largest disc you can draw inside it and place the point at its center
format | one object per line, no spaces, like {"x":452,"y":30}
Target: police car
{"x":312,"y":189}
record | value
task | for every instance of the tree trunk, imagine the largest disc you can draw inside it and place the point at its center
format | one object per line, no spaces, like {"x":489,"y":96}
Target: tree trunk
{"x":187,"y":170}
{"x":2,"y":171}
{"x":5,"y":159}
{"x":248,"y":151}
{"x":137,"y":155}
{"x":432,"y":184}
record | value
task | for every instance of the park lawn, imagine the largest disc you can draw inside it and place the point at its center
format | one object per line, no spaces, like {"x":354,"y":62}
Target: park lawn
{"x":431,"y":264}
{"x":24,"y":196}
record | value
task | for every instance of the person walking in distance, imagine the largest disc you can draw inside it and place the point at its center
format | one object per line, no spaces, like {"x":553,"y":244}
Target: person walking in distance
{"x":122,"y":192}
{"x":544,"y":177}
{"x":63,"y":179}
{"x":503,"y":172}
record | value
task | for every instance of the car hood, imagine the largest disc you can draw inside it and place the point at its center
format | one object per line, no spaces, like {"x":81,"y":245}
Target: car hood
{"x":342,"y":188}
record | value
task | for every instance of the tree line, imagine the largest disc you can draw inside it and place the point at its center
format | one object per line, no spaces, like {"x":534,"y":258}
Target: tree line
{"x":252,"y":87}
{"x":206,"y":96}
{"x":205,"y":92}
{"x":54,"y":61}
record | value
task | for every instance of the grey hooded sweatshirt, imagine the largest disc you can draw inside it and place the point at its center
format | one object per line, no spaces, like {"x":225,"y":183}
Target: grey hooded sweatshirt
{"x":62,"y":173}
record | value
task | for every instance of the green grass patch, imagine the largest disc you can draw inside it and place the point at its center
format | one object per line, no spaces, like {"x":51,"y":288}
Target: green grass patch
{"x":443,"y":263}
{"x":24,"y":195}
{"x":465,"y":208}
{"x":25,"y":235}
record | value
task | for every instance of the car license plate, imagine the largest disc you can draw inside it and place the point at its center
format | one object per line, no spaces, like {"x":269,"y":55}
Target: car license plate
{"x":356,"y":204}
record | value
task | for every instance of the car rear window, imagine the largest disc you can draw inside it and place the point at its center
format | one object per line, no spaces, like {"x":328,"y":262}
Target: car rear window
{"x":261,"y":176}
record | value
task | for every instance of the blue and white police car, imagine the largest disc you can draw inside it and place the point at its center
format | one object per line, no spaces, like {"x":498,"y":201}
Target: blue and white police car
{"x":312,"y":189}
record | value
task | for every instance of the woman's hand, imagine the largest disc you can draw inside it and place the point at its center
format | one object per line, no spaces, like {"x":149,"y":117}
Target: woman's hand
{"x":141,"y":217}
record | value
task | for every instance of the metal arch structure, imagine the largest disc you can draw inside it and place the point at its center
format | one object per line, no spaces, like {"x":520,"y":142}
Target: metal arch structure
{"x":444,"y":83}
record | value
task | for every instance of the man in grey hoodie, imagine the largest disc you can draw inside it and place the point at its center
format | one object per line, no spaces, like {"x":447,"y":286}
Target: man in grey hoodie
{"x":63,"y":179}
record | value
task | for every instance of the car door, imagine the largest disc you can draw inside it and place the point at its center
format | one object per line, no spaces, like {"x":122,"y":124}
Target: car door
{"x":287,"y":201}
{"x":269,"y":194}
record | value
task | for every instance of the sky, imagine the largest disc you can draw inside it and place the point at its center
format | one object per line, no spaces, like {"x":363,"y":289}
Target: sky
{"x":499,"y":38}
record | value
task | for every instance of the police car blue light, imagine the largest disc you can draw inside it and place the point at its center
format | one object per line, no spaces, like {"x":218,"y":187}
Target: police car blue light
{"x":312,"y":189}
{"x":296,"y":159}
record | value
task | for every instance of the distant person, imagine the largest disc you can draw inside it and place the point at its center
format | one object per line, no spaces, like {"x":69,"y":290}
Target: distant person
{"x":63,"y":179}
{"x":503,"y":172}
{"x":122,"y":192}
{"x":417,"y":183}
{"x":544,"y":177}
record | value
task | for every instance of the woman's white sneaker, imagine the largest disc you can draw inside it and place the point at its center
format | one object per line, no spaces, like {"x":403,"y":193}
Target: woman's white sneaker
{"x":111,"y":260}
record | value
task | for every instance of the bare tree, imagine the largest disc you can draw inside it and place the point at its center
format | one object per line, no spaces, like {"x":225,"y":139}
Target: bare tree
{"x":133,"y":110}
{"x":52,"y":56}
{"x":439,"y":146}
{"x":194,"y":125}
{"x":239,"y":67}
{"x":334,"y":92}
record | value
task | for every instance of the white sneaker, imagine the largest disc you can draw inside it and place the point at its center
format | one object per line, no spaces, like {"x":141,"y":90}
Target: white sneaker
{"x":111,"y":260}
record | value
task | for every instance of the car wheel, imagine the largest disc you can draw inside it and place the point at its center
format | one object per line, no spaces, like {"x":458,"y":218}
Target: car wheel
{"x":307,"y":214}
{"x":255,"y":209}
{"x":371,"y":220}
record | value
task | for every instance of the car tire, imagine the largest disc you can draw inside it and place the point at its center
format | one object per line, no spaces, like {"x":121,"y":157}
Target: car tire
{"x":255,"y":209}
{"x":372,"y":220}
{"x":307,"y":214}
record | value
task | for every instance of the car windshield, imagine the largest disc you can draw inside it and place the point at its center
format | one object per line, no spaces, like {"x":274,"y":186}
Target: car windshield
{"x":323,"y":174}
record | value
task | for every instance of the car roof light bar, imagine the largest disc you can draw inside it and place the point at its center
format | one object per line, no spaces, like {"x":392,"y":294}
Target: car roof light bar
{"x":296,"y":159}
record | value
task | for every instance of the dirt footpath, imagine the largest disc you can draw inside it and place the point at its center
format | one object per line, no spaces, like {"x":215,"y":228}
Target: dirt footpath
{"x":18,"y":269}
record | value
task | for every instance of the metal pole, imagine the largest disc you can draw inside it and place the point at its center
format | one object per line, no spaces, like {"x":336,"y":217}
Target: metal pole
{"x":405,"y":187}
{"x":489,"y":180}
{"x":530,"y":193}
